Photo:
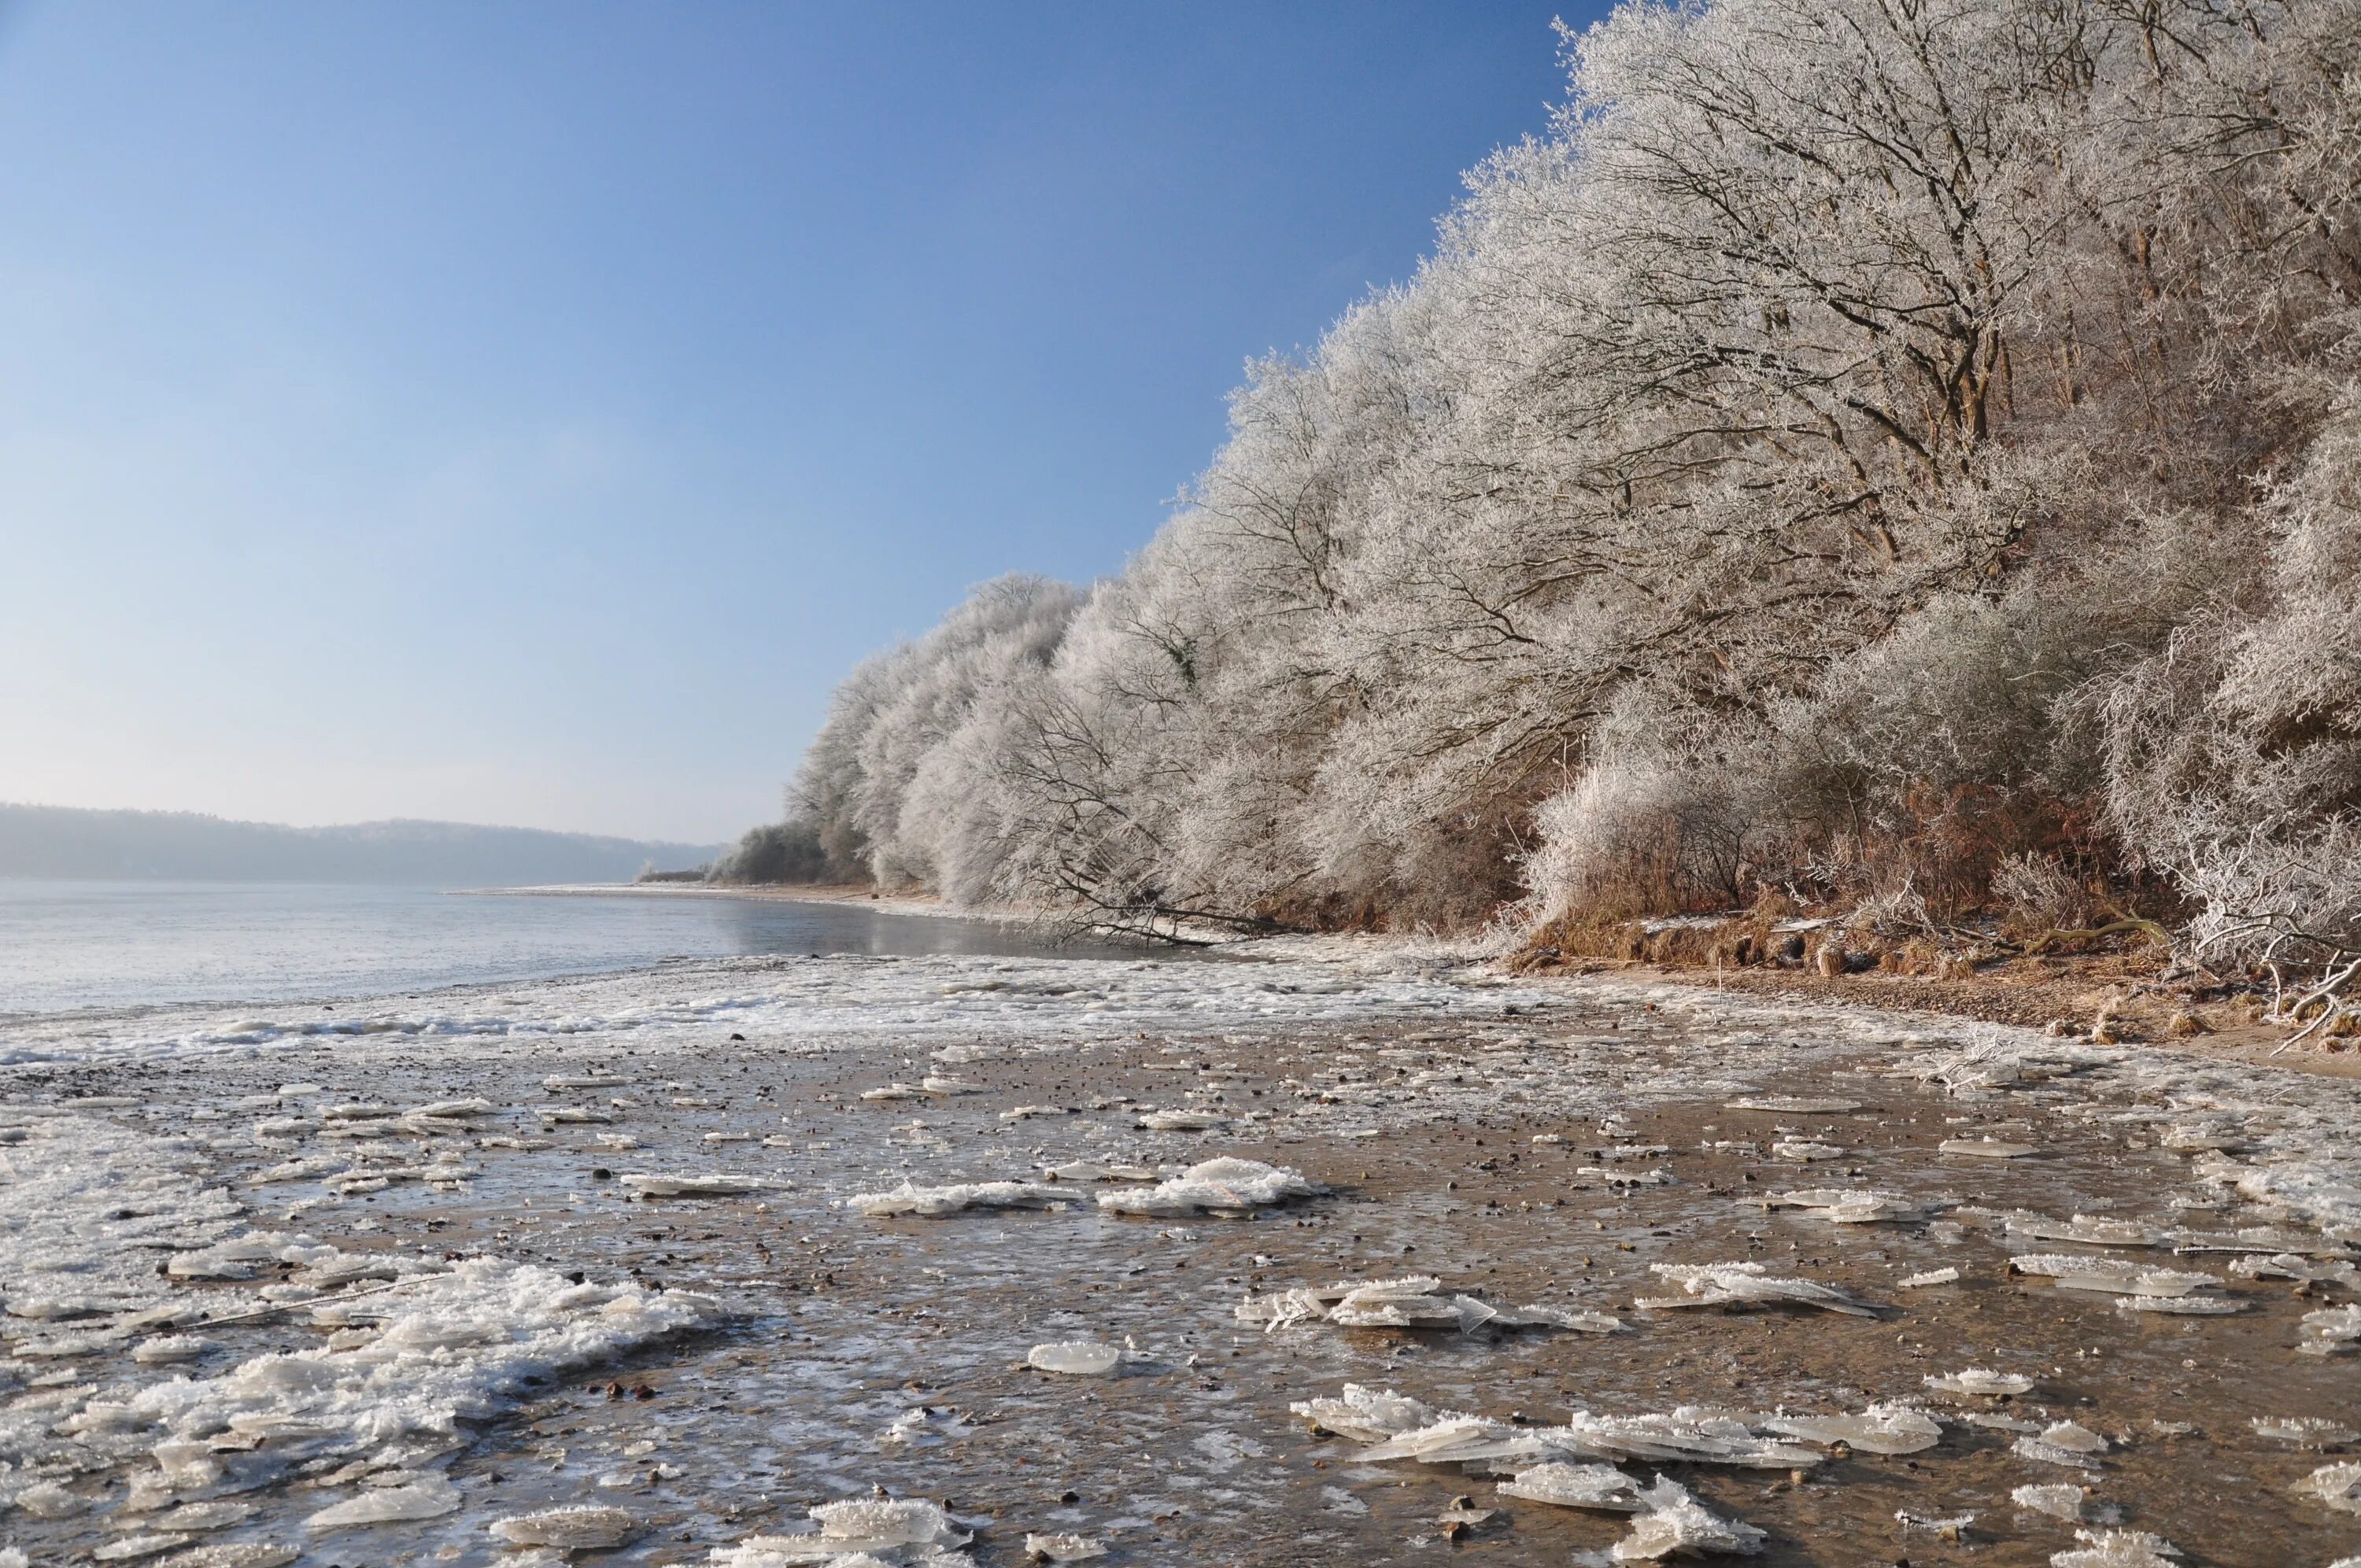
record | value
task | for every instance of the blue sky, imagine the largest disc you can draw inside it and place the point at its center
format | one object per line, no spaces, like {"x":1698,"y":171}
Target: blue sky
{"x":526,"y":413}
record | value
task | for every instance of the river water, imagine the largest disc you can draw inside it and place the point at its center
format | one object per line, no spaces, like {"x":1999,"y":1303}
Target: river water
{"x":67,"y":946}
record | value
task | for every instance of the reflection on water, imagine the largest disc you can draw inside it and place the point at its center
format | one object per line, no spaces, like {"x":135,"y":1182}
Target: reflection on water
{"x":67,"y":946}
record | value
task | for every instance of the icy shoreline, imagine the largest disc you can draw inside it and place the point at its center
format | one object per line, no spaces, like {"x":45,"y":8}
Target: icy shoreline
{"x":236,"y":1240}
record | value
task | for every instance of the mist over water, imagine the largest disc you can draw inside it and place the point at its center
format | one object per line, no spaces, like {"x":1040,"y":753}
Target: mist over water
{"x":71,"y":946}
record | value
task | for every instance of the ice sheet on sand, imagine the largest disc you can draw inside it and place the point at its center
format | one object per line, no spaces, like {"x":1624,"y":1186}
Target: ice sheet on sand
{"x":910,"y":1531}
{"x":1981,"y":1380}
{"x":1181,"y":1121}
{"x":2088,"y":1230}
{"x":2338,"y":1485}
{"x":430,"y":1497}
{"x":2111,"y":1275}
{"x":1675,"y":1521}
{"x":1063,"y":1548}
{"x":2303,"y":1271}
{"x":651,"y":1184}
{"x":1886,"y":1428}
{"x":2264,"y":1239}
{"x":1090,"y":1170}
{"x":1845,"y":1205}
{"x":934,"y":1202}
{"x":1601,"y":1487}
{"x":1226,"y":1186}
{"x":581,"y":1528}
{"x":453,"y":1347}
{"x":1398,"y":1428}
{"x":1986,"y":1149}
{"x":1413,"y":1302}
{"x":2117,"y":1549}
{"x":1746,"y":1284}
{"x":1794,"y":1105}
{"x":1080,"y":1358}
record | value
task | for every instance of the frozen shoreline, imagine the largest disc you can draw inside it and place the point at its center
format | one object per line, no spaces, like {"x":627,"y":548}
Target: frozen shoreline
{"x":214,"y":1136}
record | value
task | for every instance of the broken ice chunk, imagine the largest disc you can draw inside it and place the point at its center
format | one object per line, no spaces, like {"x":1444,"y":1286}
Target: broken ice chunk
{"x":451,"y":1109}
{"x":1063,"y":1548}
{"x":1226,"y":1186}
{"x":2074,"y":1437}
{"x":2312,"y":1431}
{"x":1986,"y":1149}
{"x":894,"y":1091}
{"x":1948,"y":1529}
{"x":1845,"y":1206}
{"x":2330,"y":1331}
{"x":2338,"y":1485}
{"x":1577,"y":1487}
{"x":1978,"y":1380}
{"x":163,"y":1348}
{"x":1886,"y":1427}
{"x":585,"y":1528}
{"x":2046,"y":1453}
{"x":430,"y":1497}
{"x":934,"y":1202}
{"x":1412,"y":1302}
{"x":936,"y":1083}
{"x":2059,"y":1502}
{"x":2117,"y":1549}
{"x":1366,"y":1414}
{"x":1806,"y":1150}
{"x":1025,"y":1112}
{"x":1675,"y":1522}
{"x":1080,"y":1358}
{"x":1932,"y":1277}
{"x":2288,"y":1265}
{"x":2183,"y":1306}
{"x":1720,"y":1284}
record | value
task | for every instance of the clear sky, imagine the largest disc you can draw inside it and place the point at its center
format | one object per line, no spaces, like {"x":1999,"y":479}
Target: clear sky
{"x":525,"y":412}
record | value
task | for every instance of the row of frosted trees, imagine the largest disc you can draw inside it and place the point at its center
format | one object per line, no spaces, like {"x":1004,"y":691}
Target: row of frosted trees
{"x":1869,"y":448}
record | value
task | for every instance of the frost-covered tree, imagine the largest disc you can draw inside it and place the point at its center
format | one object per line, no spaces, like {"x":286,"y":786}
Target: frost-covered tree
{"x":1866,"y":447}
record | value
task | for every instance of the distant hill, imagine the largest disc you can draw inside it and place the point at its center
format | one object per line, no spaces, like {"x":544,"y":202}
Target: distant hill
{"x":179,"y":846}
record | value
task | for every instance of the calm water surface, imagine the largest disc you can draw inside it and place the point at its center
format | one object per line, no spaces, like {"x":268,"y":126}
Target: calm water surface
{"x":67,"y":945}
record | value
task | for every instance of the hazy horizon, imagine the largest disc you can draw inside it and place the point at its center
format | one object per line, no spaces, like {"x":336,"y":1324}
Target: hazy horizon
{"x":527,"y":416}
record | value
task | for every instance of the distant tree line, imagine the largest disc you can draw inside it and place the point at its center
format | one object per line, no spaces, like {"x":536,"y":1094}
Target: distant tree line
{"x":65,"y":842}
{"x":1867,"y":450}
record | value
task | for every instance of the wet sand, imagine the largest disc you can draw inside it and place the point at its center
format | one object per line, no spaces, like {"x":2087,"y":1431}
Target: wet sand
{"x":839,"y":1353}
